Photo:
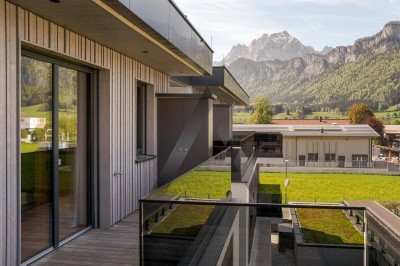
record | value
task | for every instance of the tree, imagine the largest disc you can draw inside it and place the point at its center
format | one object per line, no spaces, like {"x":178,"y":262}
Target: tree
{"x":358,"y":112}
{"x":262,"y":111}
{"x":376,"y":125}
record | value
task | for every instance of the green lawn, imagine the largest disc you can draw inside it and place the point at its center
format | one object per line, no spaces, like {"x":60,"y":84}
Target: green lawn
{"x":185,"y":220}
{"x":28,"y":147}
{"x":35,"y":111}
{"x":328,"y":227}
{"x":201,"y":184}
{"x":335,"y":187}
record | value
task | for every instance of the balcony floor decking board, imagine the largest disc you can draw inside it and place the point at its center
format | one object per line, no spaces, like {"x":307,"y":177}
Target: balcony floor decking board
{"x":118,"y":245}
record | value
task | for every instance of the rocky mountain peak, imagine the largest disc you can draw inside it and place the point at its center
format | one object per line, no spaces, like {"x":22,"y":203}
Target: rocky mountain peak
{"x":279,"y":45}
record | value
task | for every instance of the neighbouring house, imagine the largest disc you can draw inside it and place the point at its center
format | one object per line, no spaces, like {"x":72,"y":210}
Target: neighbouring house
{"x":99,"y":75}
{"x":392,"y":134}
{"x":312,"y":145}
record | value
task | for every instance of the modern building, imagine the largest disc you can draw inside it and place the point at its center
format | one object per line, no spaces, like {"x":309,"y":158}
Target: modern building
{"x":312,"y":145}
{"x":97,"y":73}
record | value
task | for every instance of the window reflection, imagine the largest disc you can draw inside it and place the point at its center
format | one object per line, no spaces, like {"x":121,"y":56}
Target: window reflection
{"x":36,"y":137}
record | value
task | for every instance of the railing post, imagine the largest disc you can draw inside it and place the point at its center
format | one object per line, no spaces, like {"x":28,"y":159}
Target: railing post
{"x":236,"y":171}
{"x":365,"y":239}
{"x":141,"y":251}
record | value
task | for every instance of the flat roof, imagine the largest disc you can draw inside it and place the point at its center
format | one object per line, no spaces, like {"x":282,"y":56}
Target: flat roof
{"x":310,"y":121}
{"x":310,"y":130}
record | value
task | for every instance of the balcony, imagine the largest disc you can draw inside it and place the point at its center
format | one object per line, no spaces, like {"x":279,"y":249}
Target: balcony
{"x":169,"y":22}
{"x":155,"y":33}
{"x":209,"y":216}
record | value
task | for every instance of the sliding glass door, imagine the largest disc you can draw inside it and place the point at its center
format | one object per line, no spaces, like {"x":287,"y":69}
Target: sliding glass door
{"x":54,"y":153}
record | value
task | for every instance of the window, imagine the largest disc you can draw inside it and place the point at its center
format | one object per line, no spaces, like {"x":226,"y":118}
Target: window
{"x":141,"y":109}
{"x":313,"y":157}
{"x":330,"y":157}
{"x":55,"y":152}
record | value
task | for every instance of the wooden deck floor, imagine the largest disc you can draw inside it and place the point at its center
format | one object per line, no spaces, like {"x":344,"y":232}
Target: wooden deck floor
{"x":118,"y":245}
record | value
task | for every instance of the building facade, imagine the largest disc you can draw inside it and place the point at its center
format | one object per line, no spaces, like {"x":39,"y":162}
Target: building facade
{"x":313,"y":145}
{"x":80,"y":82}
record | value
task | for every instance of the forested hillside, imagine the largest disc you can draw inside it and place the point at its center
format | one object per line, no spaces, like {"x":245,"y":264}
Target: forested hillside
{"x":374,"y":79}
{"x":367,"y":71}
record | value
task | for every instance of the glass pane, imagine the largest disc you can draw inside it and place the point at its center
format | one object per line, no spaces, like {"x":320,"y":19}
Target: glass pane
{"x":36,"y":137}
{"x":72,"y":132}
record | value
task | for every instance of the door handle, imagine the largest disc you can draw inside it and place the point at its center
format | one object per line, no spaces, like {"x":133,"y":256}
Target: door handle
{"x":117,"y":173}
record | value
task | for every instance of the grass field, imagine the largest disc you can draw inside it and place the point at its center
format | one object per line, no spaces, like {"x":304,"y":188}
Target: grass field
{"x":335,"y":187}
{"x":28,"y":147}
{"x":201,"y":184}
{"x":35,"y":111}
{"x":186,"y":220}
{"x":328,"y":227}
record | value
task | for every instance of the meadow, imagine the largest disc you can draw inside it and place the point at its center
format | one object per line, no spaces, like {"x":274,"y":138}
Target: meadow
{"x":201,"y":184}
{"x":334,"y":187}
{"x":328,"y":227}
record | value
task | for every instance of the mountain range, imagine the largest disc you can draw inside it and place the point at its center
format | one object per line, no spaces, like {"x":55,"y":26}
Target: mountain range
{"x":280,"y":46}
{"x":290,"y":73}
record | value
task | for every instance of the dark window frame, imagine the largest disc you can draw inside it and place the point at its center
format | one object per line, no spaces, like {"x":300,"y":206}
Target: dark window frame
{"x":330,"y":157}
{"x":141,"y":119}
{"x":312,"y":157}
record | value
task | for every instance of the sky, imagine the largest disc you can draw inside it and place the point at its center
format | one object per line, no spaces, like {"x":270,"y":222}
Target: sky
{"x":224,"y":23}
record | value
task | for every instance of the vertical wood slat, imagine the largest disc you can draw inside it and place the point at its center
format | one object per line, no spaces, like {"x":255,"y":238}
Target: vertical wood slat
{"x":3,"y":141}
{"x":21,"y":22}
{"x":12,"y":133}
{"x":32,"y":28}
{"x":60,"y":39}
{"x":46,"y":36}
{"x":53,"y":36}
{"x":40,"y":31}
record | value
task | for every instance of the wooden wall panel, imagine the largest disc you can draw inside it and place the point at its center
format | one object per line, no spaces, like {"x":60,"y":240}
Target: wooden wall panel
{"x":9,"y":104}
{"x":3,"y":141}
{"x":137,"y":179}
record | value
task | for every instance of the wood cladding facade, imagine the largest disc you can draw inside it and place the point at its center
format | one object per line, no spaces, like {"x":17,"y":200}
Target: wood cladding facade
{"x":117,"y":79}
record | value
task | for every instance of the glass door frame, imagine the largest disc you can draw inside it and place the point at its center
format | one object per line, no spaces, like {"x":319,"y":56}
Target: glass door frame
{"x":92,"y":132}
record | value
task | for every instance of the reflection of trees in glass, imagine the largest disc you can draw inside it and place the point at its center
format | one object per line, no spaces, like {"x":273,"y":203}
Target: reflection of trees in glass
{"x":67,"y":127}
{"x":35,"y":83}
{"x":67,"y":89}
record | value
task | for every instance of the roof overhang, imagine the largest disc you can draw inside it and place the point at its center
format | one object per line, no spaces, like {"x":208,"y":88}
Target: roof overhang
{"x":222,"y":84}
{"x":112,"y":24}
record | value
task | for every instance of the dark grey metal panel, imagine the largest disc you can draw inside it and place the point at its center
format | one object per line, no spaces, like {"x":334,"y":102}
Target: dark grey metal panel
{"x":184,"y":134}
{"x":180,"y":32}
{"x":166,"y":18}
{"x":222,"y":132}
{"x":224,"y":81}
{"x":154,"y":12}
